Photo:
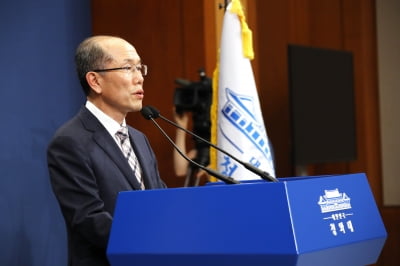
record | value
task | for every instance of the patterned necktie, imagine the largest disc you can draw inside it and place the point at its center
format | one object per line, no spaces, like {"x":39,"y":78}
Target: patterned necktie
{"x":127,"y":149}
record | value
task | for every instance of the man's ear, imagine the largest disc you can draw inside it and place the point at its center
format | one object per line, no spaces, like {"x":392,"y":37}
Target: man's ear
{"x":92,"y":79}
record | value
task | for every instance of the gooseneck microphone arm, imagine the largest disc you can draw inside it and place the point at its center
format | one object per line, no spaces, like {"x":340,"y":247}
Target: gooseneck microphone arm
{"x":264,"y":175}
{"x":226,"y":179}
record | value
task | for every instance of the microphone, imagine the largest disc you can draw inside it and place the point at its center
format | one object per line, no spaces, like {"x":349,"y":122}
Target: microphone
{"x":154,"y":113}
{"x":148,"y":114}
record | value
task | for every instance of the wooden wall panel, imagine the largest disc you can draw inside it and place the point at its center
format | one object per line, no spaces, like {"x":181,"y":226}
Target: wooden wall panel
{"x":272,"y":32}
{"x":360,"y":38}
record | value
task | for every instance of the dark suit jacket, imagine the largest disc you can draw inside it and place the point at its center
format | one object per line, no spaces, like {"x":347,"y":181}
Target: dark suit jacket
{"x":87,"y":171}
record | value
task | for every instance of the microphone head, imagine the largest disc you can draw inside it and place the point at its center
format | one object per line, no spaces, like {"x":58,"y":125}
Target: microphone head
{"x":149,"y":112}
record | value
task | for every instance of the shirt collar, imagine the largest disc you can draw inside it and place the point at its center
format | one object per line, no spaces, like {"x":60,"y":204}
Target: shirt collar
{"x":110,"y":124}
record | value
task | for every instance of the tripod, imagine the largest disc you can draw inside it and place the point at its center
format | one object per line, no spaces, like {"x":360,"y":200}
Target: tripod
{"x":202,"y":158}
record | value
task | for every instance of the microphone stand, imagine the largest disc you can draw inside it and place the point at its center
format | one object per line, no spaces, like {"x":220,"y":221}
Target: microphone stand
{"x":202,"y":157}
{"x":226,"y":179}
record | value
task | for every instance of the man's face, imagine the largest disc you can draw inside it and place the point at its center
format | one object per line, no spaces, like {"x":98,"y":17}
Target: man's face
{"x":121,"y":90}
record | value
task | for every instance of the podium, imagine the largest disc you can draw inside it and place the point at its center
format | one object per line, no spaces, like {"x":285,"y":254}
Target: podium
{"x":316,"y":220}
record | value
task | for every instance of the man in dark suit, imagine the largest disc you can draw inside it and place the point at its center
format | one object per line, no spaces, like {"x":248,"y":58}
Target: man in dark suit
{"x":86,"y":160}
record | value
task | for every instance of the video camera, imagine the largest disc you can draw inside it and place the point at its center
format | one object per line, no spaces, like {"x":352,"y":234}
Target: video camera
{"x":196,"y":97}
{"x":193,"y":96}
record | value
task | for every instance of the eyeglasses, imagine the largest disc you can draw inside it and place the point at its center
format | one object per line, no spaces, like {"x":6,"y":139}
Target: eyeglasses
{"x":140,"y":67}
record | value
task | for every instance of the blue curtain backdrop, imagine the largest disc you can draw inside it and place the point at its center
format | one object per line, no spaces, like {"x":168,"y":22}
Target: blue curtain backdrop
{"x":39,"y":91}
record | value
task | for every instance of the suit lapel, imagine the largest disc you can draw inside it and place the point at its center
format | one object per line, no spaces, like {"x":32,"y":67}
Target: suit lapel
{"x":115,"y":154}
{"x":107,"y":143}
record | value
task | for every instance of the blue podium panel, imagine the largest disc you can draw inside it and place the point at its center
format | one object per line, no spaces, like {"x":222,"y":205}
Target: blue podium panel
{"x":336,"y":215}
{"x":297,"y":221}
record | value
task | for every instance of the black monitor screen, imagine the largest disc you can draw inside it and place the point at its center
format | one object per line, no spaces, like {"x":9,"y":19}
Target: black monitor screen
{"x":322,"y":105}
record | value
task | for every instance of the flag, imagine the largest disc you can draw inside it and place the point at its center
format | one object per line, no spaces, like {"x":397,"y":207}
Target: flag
{"x":237,"y":121}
